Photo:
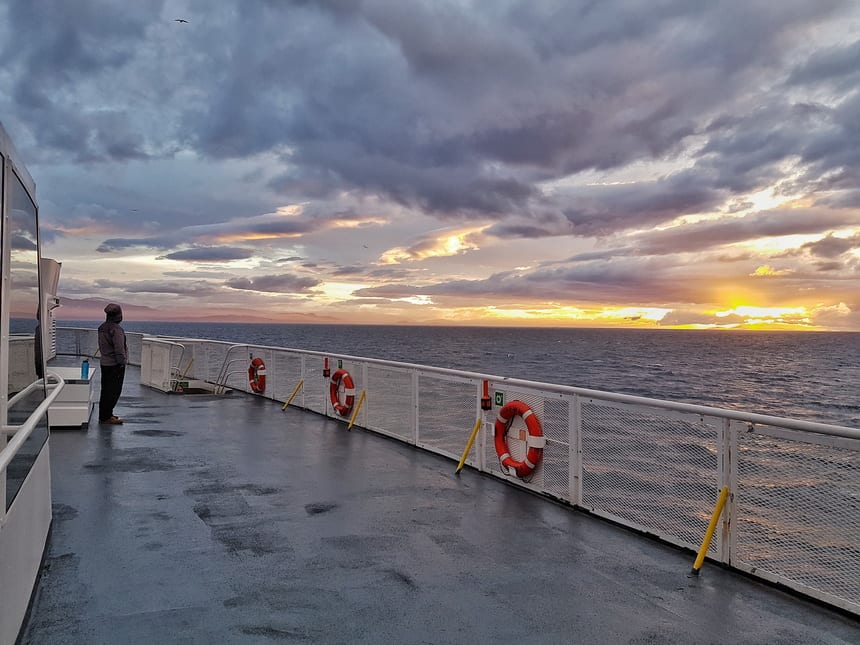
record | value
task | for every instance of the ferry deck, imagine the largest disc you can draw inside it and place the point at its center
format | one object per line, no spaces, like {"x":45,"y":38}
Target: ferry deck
{"x":207,"y":519}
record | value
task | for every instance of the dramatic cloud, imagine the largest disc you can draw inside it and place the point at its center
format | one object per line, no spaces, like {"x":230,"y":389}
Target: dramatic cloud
{"x":676,"y":155}
{"x":195,"y":288}
{"x":728,"y":230}
{"x":832,"y":246}
{"x":291,"y":223}
{"x":633,"y":281}
{"x":210,"y":254}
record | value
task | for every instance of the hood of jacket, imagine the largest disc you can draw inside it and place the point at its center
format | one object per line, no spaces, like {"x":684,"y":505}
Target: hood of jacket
{"x":113,"y":313}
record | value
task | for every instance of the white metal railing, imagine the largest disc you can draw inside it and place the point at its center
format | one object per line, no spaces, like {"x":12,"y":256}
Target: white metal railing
{"x":226,"y":372}
{"x":656,"y":466}
{"x":20,"y":433}
{"x":84,"y":341}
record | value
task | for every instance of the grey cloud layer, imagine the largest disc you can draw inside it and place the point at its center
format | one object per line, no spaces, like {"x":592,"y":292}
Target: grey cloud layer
{"x":269,"y":225}
{"x":455,"y":109}
{"x":283,"y":283}
{"x":211,"y":254}
{"x":636,"y":280}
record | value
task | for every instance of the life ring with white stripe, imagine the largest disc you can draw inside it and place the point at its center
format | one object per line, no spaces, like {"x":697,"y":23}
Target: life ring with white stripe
{"x":257,"y":376}
{"x":342,"y":376}
{"x":535,"y":439}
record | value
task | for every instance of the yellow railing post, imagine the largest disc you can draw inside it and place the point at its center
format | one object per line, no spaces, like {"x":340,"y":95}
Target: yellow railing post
{"x":355,"y":412}
{"x":718,"y":509}
{"x":468,"y":446}
{"x":293,"y":395}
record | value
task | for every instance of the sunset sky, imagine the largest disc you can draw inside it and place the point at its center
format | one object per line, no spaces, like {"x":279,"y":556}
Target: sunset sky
{"x":662,"y":164}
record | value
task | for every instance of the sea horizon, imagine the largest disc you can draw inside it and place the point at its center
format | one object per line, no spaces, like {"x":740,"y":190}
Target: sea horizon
{"x":205,"y":321}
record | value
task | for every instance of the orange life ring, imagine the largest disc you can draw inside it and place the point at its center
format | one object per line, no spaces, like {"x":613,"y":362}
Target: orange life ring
{"x":257,"y":376}
{"x":348,"y":390}
{"x":535,"y":439}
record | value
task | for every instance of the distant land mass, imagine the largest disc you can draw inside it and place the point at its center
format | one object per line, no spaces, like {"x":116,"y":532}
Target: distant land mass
{"x":93,"y":309}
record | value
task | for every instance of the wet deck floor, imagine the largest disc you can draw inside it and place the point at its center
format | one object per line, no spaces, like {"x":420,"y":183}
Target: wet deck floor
{"x":226,"y":520}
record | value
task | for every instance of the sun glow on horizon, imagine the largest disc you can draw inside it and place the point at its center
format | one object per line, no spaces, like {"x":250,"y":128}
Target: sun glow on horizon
{"x":329,"y":292}
{"x":749,"y":311}
{"x":560,"y":314}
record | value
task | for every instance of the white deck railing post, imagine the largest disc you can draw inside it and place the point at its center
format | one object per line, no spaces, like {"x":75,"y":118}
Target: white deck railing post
{"x":575,"y":451}
{"x":415,"y":408}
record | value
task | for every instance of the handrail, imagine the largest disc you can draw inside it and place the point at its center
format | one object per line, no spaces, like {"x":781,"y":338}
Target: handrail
{"x":165,"y":340}
{"x":23,"y":431}
{"x":25,"y":392}
{"x":222,"y":373}
{"x":735,"y":415}
{"x":221,"y":388}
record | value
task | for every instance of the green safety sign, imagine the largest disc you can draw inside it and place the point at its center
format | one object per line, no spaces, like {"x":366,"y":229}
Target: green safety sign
{"x":500,"y":399}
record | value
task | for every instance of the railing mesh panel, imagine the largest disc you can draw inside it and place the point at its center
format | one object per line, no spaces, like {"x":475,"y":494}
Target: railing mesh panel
{"x":654,"y":470}
{"x":315,"y":393}
{"x":208,"y":358}
{"x":446,"y":413}
{"x":388,"y":407}
{"x":77,"y":342}
{"x":556,"y":455}
{"x":797,"y":511}
{"x":134,"y":342}
{"x":286,"y":370}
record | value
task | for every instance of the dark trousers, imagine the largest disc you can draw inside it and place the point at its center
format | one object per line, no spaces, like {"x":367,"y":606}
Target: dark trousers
{"x":112,"y":378}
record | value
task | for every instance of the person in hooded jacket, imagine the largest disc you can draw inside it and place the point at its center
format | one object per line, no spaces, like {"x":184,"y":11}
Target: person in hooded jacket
{"x":114,"y":356}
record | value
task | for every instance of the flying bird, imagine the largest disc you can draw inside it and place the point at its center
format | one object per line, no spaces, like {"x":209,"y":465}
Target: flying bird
{"x":179,"y":20}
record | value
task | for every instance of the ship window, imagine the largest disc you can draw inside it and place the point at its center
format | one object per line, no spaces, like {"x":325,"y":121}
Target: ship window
{"x":23,"y":321}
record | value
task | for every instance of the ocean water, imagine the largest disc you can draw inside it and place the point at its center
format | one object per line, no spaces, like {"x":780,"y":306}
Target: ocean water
{"x":811,"y":376}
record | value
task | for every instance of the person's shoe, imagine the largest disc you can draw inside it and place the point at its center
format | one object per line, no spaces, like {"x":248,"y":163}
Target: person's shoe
{"x":114,"y":421}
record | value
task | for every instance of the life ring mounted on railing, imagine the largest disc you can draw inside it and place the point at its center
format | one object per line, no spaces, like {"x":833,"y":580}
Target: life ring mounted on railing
{"x":342,"y":376}
{"x":534,"y":440}
{"x":257,"y":375}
